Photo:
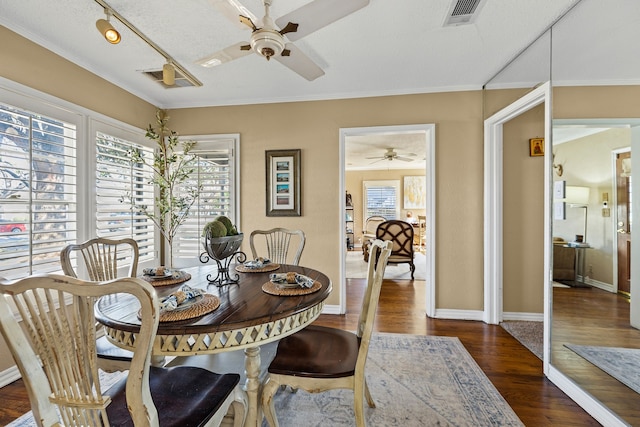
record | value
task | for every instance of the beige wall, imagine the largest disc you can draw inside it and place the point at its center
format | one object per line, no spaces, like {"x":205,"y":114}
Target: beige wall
{"x":314,"y":127}
{"x":31,"y":65}
{"x":523,"y":213}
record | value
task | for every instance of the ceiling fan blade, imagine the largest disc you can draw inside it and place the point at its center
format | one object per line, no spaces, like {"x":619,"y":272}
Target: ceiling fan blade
{"x":225,"y":55}
{"x":404,"y":159}
{"x":248,"y":22}
{"x":300,"y":63}
{"x":317,"y":14}
{"x":232,"y":9}
{"x":289,"y":28}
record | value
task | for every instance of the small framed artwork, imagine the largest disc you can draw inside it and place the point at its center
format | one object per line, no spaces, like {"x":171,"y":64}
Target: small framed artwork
{"x":536,"y":147}
{"x":283,"y":182}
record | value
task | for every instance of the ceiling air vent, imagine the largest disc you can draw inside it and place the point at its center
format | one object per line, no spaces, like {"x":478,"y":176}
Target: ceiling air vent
{"x":463,"y":12}
{"x":181,"y":80}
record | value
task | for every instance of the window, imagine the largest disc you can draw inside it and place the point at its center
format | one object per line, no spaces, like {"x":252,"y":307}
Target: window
{"x":116,"y":176}
{"x":381,"y":198}
{"x":216,"y":174}
{"x":37,"y":191}
{"x":64,"y":170}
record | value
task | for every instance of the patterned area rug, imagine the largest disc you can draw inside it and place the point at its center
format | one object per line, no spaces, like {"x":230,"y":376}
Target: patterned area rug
{"x":622,"y":364}
{"x":530,"y":334}
{"x":414,"y":380}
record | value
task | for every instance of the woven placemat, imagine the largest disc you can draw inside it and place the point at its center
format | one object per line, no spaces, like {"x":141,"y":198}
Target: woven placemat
{"x":273,"y":289}
{"x":205,"y":305}
{"x":269,"y":267}
{"x":177,"y":277}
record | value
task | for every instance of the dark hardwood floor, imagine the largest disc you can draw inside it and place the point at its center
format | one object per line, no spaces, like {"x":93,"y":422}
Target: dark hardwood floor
{"x":514,"y":370}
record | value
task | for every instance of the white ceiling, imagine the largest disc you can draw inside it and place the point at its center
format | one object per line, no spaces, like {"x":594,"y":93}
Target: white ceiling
{"x":386,"y":48}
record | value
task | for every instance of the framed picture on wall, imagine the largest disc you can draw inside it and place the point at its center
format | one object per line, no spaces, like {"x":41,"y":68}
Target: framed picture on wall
{"x":415,"y":192}
{"x":536,"y":147}
{"x":283,"y":182}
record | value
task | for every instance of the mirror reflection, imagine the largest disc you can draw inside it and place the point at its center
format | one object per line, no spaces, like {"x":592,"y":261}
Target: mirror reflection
{"x":595,"y":128}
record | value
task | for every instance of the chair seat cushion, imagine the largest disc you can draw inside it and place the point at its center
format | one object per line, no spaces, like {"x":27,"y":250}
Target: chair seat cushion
{"x":179,"y":402}
{"x":108,"y":350}
{"x":318,"y":352}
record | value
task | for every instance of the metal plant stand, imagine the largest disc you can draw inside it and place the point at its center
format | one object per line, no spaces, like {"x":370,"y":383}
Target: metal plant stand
{"x":223,"y":250}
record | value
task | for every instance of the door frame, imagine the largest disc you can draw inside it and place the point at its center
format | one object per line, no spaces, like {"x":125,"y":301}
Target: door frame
{"x":430,"y":173}
{"x":493,"y":202}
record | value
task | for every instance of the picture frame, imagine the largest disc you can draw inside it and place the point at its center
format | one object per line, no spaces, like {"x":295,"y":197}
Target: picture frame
{"x":283,"y":177}
{"x":536,"y":147}
{"x":415,"y":192}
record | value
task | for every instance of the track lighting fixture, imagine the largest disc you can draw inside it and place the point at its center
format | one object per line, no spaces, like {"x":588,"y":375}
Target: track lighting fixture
{"x":169,"y":74}
{"x":107,"y":30}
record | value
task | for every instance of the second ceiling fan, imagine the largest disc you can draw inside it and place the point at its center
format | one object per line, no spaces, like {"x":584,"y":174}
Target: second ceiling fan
{"x":273,"y":39}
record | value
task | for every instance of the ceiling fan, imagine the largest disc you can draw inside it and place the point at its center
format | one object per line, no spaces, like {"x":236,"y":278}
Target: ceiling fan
{"x":391,"y":154}
{"x":272,"y":39}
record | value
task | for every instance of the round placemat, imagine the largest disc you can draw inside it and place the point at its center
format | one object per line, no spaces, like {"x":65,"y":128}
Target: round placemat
{"x":207,"y":304}
{"x":177,"y":277}
{"x":273,"y":289}
{"x":269,"y":267}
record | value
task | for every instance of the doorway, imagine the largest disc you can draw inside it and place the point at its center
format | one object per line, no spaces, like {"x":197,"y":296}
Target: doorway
{"x":425,"y":161}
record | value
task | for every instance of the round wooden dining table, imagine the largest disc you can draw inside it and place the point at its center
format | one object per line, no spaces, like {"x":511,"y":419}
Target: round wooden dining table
{"x":247,"y":317}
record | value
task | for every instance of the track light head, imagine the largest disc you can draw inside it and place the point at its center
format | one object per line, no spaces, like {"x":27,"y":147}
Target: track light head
{"x":107,"y":30}
{"x":169,"y":74}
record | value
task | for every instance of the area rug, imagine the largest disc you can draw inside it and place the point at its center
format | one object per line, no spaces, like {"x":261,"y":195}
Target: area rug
{"x":356,"y":268}
{"x":414,"y":380}
{"x":530,"y":334}
{"x":621,"y":363}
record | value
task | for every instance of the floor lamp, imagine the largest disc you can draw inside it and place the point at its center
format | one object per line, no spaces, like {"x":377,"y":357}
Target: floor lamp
{"x":578,"y":197}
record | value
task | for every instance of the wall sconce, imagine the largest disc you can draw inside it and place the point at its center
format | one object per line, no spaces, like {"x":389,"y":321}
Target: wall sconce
{"x":107,"y":30}
{"x":559,"y":168}
{"x":168,"y":74}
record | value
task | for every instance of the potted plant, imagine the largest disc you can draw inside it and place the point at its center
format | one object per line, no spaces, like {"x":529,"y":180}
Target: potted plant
{"x":172,"y":166}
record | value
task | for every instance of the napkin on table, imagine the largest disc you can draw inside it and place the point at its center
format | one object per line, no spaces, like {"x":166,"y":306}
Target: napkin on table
{"x":257,"y":263}
{"x":183,"y":294}
{"x":291,"y":278}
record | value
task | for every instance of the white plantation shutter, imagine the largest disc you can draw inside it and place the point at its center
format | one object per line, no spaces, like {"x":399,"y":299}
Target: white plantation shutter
{"x":381,"y":198}
{"x":116,"y":177}
{"x":216,"y":175}
{"x":37,"y":190}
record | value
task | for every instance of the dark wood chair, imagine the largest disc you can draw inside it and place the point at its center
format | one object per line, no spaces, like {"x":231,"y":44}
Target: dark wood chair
{"x":401,"y":235}
{"x":319,"y":358}
{"x":56,"y":357}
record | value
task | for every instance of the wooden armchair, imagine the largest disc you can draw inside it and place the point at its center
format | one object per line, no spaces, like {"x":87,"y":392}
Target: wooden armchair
{"x":401,"y":235}
{"x":55,"y":353}
{"x":370,"y":226}
{"x":319,"y":358}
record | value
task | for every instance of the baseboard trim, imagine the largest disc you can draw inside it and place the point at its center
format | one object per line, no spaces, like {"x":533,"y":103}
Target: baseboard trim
{"x":459,"y":314}
{"x":331,"y":309}
{"x":531,"y":317}
{"x":9,"y":375}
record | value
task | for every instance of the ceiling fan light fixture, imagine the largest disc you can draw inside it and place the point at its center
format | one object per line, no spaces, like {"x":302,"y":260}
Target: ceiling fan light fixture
{"x":169,"y":74}
{"x":107,"y":30}
{"x":267,"y":43}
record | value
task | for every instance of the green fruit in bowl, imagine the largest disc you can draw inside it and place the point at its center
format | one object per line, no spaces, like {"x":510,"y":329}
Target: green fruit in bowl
{"x":227,"y":223}
{"x":215,"y":229}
